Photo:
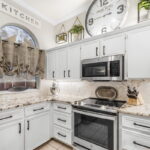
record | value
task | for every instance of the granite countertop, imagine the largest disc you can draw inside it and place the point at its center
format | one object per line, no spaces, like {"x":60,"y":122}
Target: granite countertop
{"x":6,"y":103}
{"x":142,"y":110}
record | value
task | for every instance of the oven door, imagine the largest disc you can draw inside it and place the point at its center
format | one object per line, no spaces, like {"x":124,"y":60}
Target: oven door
{"x":95,"y":131}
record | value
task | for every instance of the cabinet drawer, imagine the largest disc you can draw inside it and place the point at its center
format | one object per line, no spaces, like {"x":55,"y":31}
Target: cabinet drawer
{"x":11,"y":115}
{"x":63,"y":135}
{"x":62,"y":107}
{"x":62,"y":119}
{"x":135,"y":141}
{"x":136,"y":123}
{"x":36,"y":108}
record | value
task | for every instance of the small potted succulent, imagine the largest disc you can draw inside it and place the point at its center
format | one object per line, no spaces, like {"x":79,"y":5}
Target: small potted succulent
{"x":143,"y":10}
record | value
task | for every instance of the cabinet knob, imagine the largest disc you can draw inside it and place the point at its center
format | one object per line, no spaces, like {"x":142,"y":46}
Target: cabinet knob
{"x":19,"y":128}
{"x":64,"y":74}
{"x":96,"y":51}
{"x":53,"y":74}
{"x":28,"y":125}
{"x":69,"y":73}
{"x":104,"y":48}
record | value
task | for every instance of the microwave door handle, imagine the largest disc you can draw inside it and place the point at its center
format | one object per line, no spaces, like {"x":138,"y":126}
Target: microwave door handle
{"x":108,"y":69}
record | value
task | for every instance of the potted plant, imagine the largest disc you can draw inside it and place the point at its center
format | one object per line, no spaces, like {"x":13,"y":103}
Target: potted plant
{"x":143,"y":10}
{"x":76,"y":33}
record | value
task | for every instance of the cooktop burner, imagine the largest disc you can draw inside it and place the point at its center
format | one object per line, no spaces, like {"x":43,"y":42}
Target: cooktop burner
{"x":100,"y":104}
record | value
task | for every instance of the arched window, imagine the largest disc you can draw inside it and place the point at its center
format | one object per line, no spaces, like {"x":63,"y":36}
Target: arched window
{"x":18,"y":35}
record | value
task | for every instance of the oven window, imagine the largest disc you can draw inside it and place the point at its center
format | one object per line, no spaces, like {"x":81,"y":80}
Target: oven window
{"x":94,"y":70}
{"x":94,"y":130}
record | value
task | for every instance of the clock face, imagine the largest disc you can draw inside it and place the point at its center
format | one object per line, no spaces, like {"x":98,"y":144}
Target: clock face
{"x":105,"y":15}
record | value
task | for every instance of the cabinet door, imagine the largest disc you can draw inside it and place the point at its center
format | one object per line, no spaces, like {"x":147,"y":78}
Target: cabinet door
{"x":90,"y":50}
{"x":37,"y":131}
{"x":12,"y":136}
{"x":73,"y":71}
{"x":51,"y":65}
{"x":61,"y":63}
{"x":113,"y":45}
{"x":138,"y":52}
{"x":132,"y":140}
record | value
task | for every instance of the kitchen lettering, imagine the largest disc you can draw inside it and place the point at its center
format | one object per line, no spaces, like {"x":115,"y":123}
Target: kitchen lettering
{"x":11,"y":10}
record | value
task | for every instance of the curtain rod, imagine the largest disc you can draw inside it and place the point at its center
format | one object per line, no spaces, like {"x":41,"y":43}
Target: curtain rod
{"x":17,"y":44}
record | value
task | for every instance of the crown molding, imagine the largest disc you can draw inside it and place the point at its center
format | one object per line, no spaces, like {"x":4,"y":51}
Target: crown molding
{"x":74,"y":13}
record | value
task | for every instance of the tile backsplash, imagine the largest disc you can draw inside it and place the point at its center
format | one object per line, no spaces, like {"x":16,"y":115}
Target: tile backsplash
{"x":87,"y":89}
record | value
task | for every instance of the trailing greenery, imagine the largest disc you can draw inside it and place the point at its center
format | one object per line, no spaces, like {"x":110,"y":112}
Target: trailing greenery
{"x":144,"y":4}
{"x":76,"y":29}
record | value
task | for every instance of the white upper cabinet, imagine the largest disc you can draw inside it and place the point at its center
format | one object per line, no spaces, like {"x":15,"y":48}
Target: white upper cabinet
{"x":51,"y":65}
{"x":61,"y":63}
{"x":113,"y":45}
{"x":90,"y":50}
{"x":138,"y":54}
{"x":73,"y":69}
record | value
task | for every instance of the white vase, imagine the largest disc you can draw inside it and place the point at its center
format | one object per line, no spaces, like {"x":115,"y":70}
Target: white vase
{"x":76,"y":37}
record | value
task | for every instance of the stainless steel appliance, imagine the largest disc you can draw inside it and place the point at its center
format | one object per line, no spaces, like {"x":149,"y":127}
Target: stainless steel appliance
{"x":105,"y":68}
{"x":95,"y":124}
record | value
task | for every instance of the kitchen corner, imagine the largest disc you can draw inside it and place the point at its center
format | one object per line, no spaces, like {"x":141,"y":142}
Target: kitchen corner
{"x":75,"y":75}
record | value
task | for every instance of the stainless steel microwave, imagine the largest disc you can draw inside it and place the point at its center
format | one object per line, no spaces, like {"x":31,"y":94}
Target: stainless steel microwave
{"x":106,"y":68}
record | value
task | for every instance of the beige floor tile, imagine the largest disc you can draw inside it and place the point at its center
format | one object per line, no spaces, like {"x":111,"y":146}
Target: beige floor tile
{"x":54,"y":145}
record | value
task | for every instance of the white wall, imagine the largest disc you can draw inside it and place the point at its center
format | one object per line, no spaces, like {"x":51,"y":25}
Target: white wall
{"x":131,"y":19}
{"x":44,"y":35}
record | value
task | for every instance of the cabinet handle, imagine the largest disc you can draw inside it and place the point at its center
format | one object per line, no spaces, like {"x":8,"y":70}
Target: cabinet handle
{"x":61,"y":134}
{"x":69,"y":73}
{"x":61,"y":120}
{"x":134,"y":142}
{"x":19,"y":128}
{"x":104,"y":47}
{"x":61,"y":107}
{"x":53,"y":74}
{"x":64,"y":74}
{"x":96,"y":51}
{"x":141,"y":125}
{"x":28,"y":125}
{"x":6,"y":118}
{"x":38,"y":109}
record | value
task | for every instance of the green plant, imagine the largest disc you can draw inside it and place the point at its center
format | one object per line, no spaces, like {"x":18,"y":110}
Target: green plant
{"x":144,"y":4}
{"x":76,"y":29}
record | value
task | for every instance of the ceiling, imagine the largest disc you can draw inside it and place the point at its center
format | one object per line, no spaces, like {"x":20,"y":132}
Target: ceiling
{"x":55,"y":11}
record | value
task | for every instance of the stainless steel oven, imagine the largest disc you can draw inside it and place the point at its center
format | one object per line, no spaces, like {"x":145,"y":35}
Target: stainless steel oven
{"x":105,"y":68}
{"x":95,"y":131}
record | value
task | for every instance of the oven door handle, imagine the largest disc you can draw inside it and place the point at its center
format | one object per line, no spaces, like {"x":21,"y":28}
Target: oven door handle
{"x":97,"y":115}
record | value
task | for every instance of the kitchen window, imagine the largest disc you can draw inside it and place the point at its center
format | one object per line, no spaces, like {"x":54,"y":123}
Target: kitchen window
{"x":19,"y":35}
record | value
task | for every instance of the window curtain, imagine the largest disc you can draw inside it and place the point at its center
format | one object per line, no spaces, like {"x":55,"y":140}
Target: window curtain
{"x":18,"y":59}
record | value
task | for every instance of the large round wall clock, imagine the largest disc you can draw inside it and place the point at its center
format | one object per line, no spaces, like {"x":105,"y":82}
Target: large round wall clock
{"x":105,"y":16}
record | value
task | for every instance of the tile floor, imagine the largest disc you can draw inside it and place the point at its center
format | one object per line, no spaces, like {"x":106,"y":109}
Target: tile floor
{"x":54,"y":145}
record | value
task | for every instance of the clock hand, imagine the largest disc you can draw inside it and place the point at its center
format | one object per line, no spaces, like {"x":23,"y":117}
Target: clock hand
{"x":107,"y":14}
{"x":103,"y":16}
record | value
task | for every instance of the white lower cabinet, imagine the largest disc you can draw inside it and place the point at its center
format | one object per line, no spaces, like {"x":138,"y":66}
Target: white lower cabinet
{"x":63,"y":134}
{"x":62,"y":122}
{"x":36,"y":131}
{"x":12,"y":130}
{"x":37,"y":125}
{"x":132,"y":140}
{"x":134,"y":132}
{"x":12,"y":136}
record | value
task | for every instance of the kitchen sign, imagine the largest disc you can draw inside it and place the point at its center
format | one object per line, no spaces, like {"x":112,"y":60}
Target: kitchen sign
{"x":19,"y":14}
